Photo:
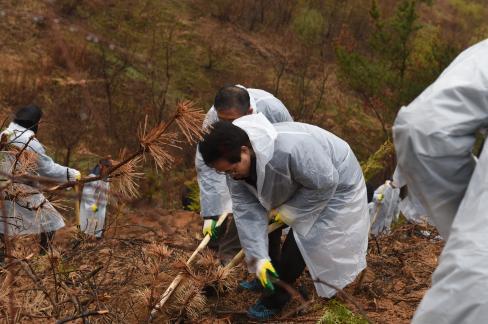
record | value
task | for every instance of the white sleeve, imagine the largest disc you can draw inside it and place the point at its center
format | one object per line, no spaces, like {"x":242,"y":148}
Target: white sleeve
{"x":252,"y":223}
{"x":214,"y":193}
{"x":435,"y":134}
{"x":50,"y":169}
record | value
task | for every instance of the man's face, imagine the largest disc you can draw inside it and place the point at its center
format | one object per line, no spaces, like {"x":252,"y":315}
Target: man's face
{"x":231,"y":114}
{"x":238,"y":170}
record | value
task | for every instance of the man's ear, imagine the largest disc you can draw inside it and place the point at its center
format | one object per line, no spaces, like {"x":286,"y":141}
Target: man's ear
{"x":246,"y":150}
{"x":249,"y":111}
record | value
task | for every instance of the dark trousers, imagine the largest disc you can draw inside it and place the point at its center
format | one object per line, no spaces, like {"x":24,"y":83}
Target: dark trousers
{"x":289,"y":265}
{"x":45,"y":241}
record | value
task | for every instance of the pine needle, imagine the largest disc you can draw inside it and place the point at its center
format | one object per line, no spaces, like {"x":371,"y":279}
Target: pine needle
{"x":144,"y":295}
{"x":207,"y":260}
{"x":225,"y":279}
{"x":190,"y":120}
{"x":159,"y":250}
{"x":126,"y":177}
{"x":189,"y":299}
{"x":60,"y":203}
{"x":26,"y":164}
{"x":156,"y":142}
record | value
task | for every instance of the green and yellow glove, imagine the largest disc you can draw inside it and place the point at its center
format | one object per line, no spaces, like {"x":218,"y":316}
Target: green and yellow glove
{"x":210,"y":228}
{"x":265,"y":271}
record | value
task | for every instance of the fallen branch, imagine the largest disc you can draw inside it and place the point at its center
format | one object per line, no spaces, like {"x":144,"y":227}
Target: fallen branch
{"x":17,"y":156}
{"x":28,"y":269}
{"x":169,"y":291}
{"x":233,"y":263}
{"x":295,"y":295}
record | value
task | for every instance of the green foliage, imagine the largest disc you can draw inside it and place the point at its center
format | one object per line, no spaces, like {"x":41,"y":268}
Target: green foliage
{"x":363,"y":75}
{"x":470,"y":8}
{"x":338,"y":313}
{"x":470,"y":18}
{"x":401,"y":62}
{"x":478,"y":144}
{"x":399,"y":222}
{"x":194,"y":195}
{"x":378,"y":160}
{"x":391,"y":42}
{"x":308,"y":25}
{"x":384,"y":72}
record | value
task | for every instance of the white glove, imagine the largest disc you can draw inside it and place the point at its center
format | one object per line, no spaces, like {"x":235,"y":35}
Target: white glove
{"x":74,"y":175}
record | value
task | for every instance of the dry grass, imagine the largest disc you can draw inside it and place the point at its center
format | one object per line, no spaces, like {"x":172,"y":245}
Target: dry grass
{"x":126,"y":272}
{"x":115,"y":280}
{"x":122,"y":276}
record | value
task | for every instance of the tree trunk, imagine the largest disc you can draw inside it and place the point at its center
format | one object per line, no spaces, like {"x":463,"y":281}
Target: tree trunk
{"x":67,"y":157}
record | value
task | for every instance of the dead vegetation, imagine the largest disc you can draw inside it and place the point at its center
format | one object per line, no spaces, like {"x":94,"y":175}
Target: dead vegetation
{"x":120,"y":278}
{"x":66,"y":288}
{"x":115,"y":280}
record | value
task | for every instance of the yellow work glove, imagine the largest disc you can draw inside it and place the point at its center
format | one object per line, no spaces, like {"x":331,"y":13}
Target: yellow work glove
{"x":275,"y":217}
{"x":210,"y":228}
{"x":378,"y":197}
{"x":265,"y":271}
{"x":278,"y":219}
{"x":94,"y":208}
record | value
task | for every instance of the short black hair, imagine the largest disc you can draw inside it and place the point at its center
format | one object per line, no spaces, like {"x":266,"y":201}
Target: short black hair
{"x":28,"y":117}
{"x":223,"y":141}
{"x":232,"y":97}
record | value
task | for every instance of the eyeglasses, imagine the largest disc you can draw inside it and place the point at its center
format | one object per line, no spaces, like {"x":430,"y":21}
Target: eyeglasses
{"x":231,"y":171}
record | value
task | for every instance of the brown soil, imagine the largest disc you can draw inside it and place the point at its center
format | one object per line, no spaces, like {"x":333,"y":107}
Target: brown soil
{"x":134,"y":271}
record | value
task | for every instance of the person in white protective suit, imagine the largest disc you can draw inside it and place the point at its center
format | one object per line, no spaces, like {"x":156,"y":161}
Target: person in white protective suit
{"x":94,"y":201}
{"x":385,"y":208}
{"x":313,"y":181}
{"x":389,"y":200}
{"x":31,"y":213}
{"x":434,"y":137}
{"x":231,"y":102}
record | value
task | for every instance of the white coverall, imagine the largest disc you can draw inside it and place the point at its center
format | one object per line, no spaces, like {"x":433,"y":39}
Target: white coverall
{"x":40,"y":215}
{"x":93,"y":207}
{"x":214,"y":194}
{"x":385,"y":208}
{"x":434,"y":136}
{"x":312,"y":178}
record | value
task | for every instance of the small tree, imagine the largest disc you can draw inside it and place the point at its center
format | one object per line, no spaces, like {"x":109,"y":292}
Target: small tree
{"x":384,"y":78}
